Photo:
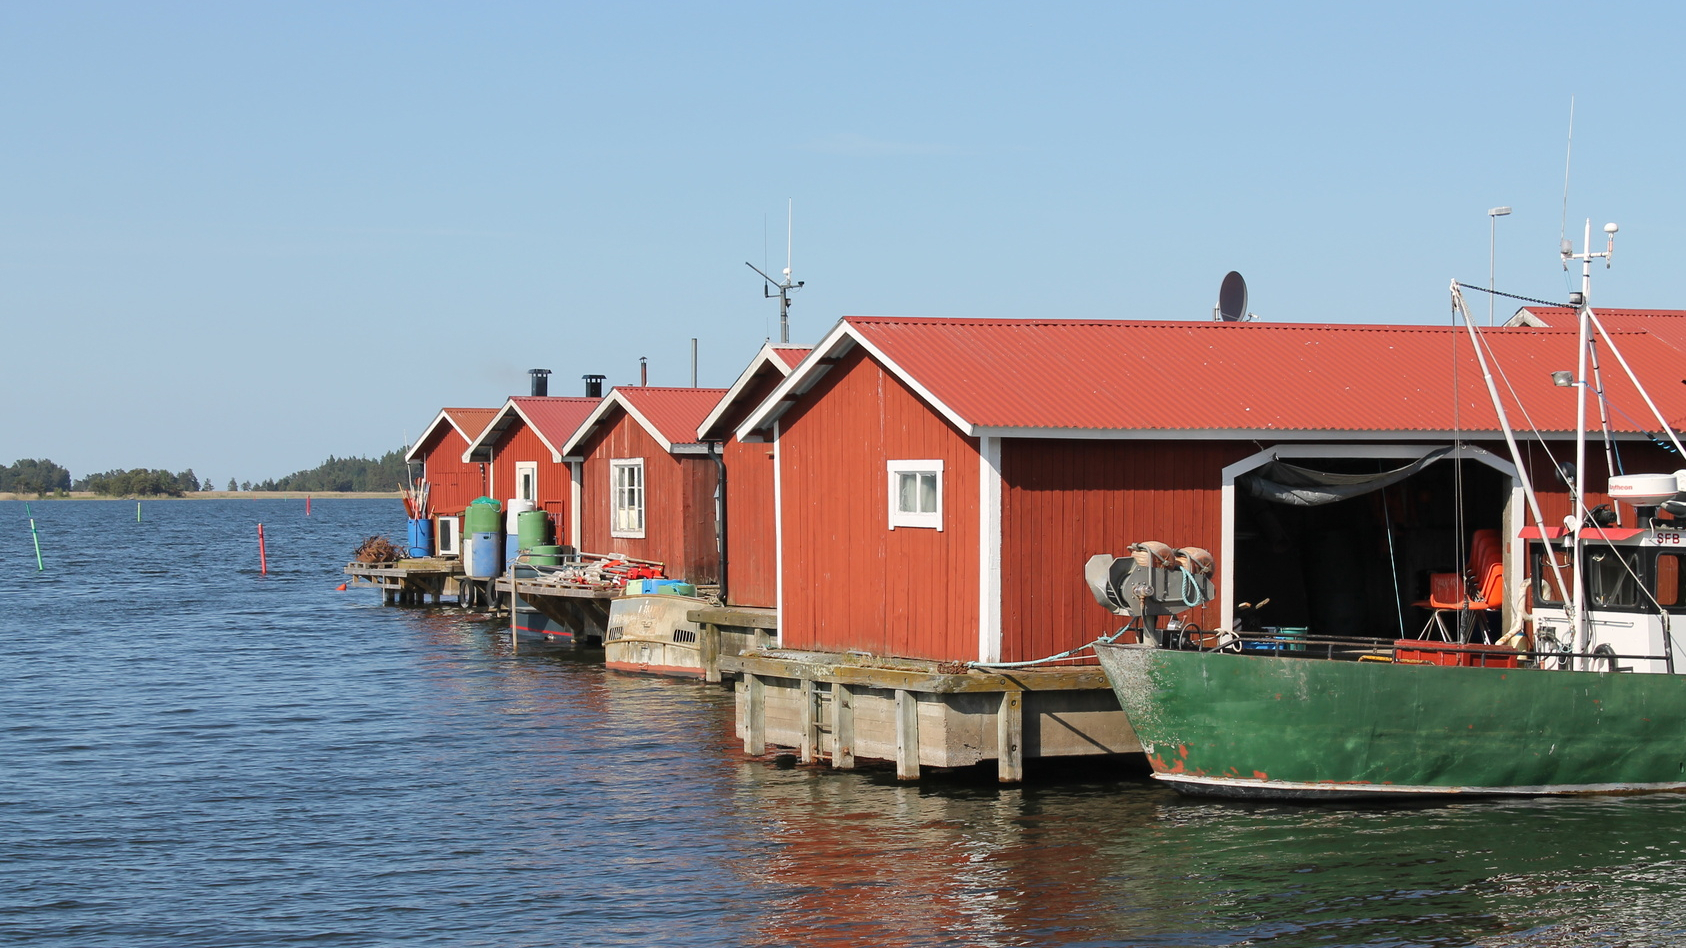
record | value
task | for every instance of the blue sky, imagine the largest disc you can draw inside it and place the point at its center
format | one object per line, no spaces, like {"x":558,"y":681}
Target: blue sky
{"x":242,"y":237}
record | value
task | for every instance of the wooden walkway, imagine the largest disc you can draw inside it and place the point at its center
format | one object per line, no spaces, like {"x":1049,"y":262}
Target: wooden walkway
{"x":409,"y":582}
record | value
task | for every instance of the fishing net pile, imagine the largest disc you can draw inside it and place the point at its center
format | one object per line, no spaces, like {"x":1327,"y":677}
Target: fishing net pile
{"x":376,"y":549}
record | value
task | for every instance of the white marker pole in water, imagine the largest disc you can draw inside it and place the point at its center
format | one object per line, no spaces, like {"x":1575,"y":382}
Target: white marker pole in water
{"x":34,"y":536}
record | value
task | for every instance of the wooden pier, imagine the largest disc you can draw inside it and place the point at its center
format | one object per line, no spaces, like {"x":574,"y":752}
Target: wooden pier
{"x":583,"y":611}
{"x":409,"y":582}
{"x":729,"y":631}
{"x":841,"y":708}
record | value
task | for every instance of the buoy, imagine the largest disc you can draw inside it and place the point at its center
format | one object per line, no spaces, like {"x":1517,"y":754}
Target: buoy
{"x":340,"y":588}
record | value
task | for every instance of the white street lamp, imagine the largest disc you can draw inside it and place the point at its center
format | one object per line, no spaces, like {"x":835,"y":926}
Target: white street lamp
{"x":1493,"y":216}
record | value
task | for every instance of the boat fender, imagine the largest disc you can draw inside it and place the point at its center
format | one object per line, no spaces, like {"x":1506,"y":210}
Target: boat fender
{"x":1153,"y":553}
{"x":1195,"y":560}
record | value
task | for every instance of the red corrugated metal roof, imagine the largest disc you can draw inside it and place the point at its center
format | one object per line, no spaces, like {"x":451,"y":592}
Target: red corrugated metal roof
{"x":1044,"y":377}
{"x":469,"y":422}
{"x":791,"y":355}
{"x":1670,"y":324}
{"x":552,"y":418}
{"x":670,"y":415}
{"x":675,"y":412}
{"x":555,"y":418}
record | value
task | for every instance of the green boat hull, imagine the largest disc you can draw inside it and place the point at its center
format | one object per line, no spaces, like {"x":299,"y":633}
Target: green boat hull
{"x":1245,"y":725}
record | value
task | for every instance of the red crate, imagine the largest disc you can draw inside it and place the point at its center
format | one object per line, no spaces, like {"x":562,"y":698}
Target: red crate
{"x":1426,"y":652}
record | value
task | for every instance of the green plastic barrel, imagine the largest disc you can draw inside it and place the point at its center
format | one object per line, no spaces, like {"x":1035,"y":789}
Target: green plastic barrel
{"x":533,"y":528}
{"x":482,"y":518}
{"x":540,"y":555}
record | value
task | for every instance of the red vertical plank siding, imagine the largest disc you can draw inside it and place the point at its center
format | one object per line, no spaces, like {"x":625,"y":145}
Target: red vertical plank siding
{"x":751,"y":540}
{"x":678,"y":526}
{"x":1064,"y":501}
{"x":850,"y":582}
{"x":454,"y":483}
{"x":519,"y":442}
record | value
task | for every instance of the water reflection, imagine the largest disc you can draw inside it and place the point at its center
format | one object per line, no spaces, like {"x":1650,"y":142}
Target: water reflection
{"x":213,"y":758}
{"x":860,"y":860}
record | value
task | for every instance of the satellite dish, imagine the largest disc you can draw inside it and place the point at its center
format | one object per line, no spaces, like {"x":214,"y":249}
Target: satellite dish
{"x":1232,"y":298}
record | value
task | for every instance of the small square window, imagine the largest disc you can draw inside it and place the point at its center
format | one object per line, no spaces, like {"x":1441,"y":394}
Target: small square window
{"x":527,"y":480}
{"x":626,"y":493}
{"x":916,"y":494}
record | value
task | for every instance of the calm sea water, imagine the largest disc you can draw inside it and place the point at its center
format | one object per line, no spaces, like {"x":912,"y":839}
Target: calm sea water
{"x":194,"y":754}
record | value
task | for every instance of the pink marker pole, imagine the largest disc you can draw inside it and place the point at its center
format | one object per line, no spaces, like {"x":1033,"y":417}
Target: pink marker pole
{"x":307,"y":505}
{"x":263,"y":560}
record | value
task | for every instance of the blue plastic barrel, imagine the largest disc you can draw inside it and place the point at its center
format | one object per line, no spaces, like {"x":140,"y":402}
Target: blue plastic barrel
{"x":484,"y":557}
{"x":421,"y":537}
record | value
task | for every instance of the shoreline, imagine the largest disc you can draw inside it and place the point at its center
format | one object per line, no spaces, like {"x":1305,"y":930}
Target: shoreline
{"x":217,"y":495}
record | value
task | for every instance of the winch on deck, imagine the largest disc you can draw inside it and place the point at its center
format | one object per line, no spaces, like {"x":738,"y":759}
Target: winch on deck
{"x":1154,"y":580}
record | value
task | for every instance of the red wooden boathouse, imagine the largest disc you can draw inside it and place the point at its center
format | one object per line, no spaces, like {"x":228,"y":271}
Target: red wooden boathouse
{"x":647,"y":482}
{"x":749,"y":571}
{"x":940,"y":483}
{"x":454,"y":481}
{"x":522,"y":449}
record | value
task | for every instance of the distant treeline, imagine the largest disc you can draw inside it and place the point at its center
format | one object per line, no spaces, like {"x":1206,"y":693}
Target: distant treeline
{"x":42,"y":477}
{"x":388,"y":472}
{"x":29,"y":476}
{"x":139,"y":482}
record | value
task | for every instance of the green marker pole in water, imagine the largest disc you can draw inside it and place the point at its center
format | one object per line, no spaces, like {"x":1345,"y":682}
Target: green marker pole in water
{"x":34,"y":536}
{"x":137,"y":511}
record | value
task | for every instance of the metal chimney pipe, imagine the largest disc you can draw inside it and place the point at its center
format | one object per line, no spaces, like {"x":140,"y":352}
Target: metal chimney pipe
{"x":643,"y":370}
{"x":541,"y":382}
{"x":593,"y":386}
{"x":693,"y":361}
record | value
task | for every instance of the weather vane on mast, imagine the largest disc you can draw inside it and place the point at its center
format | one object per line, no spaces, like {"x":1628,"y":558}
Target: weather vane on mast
{"x":785,"y":286}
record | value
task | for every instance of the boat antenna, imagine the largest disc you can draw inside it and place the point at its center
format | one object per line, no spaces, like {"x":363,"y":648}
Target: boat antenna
{"x":1568,"y":151}
{"x":785,"y":286}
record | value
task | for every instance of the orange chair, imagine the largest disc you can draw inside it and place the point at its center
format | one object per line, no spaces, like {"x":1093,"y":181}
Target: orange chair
{"x":1447,"y":592}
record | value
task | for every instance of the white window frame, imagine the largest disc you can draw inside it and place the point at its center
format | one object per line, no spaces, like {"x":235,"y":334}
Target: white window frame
{"x":528,"y":468}
{"x":627,"y":500}
{"x":448,"y":535}
{"x":930,"y":519}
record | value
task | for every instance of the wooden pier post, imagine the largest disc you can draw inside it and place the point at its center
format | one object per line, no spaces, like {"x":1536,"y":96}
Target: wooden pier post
{"x":1009,"y":738}
{"x":809,"y":723}
{"x":755,"y":730}
{"x":842,"y":726}
{"x":708,"y":651}
{"x":907,"y":735}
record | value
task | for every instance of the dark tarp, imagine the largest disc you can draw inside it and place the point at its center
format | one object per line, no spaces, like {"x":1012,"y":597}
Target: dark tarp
{"x":1283,"y":483}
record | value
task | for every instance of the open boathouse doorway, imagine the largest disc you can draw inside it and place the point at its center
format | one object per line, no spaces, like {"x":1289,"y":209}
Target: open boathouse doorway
{"x":1342,"y":539}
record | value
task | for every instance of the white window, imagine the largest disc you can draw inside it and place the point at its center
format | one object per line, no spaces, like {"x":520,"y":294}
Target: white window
{"x":626,"y":493}
{"x":527,"y":481}
{"x":449,"y":530}
{"x":916,"y":494}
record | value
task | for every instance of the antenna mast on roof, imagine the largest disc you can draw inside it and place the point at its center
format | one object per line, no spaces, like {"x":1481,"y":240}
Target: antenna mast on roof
{"x":785,"y":286}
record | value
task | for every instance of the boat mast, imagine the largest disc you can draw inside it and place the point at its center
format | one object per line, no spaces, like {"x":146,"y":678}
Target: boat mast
{"x":1576,"y":518}
{"x":1528,"y":493}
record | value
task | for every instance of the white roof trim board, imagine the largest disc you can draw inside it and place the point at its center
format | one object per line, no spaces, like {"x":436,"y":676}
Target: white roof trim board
{"x":443,"y":416}
{"x":764,"y":357}
{"x":807,"y":374}
{"x":495,"y":429}
{"x":596,"y":418}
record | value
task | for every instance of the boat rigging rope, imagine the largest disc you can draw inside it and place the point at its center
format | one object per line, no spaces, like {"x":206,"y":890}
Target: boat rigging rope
{"x":1513,"y":296}
{"x":1069,"y":653}
{"x":1191,"y":582}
